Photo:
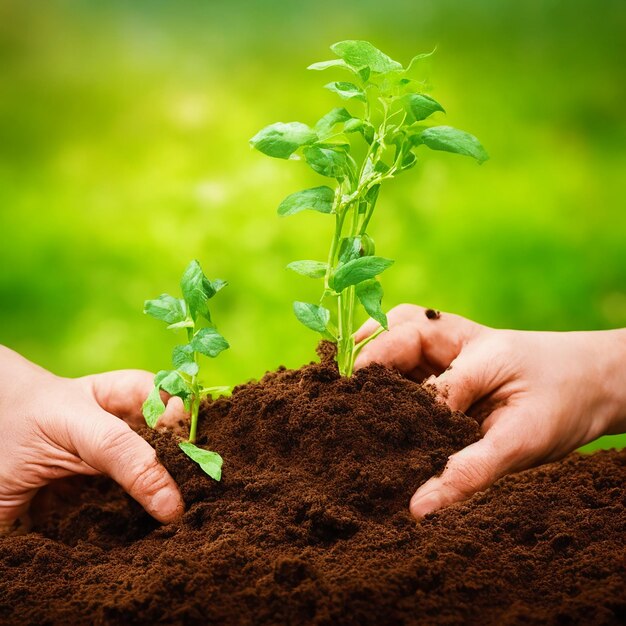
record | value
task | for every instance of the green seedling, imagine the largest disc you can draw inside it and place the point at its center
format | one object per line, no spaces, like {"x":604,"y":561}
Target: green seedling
{"x":191,"y":313}
{"x":360,"y":152}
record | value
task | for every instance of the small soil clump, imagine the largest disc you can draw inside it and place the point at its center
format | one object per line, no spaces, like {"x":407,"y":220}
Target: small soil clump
{"x":310,"y":524}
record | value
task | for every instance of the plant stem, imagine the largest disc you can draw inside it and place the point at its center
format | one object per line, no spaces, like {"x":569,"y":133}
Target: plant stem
{"x":347,"y":351}
{"x":195,"y":395}
{"x":339,"y":217}
{"x":195,"y":407}
{"x":359,"y":346}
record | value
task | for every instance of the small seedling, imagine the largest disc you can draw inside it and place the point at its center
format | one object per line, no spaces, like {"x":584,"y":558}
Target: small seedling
{"x":391,"y":128}
{"x":189,"y":313}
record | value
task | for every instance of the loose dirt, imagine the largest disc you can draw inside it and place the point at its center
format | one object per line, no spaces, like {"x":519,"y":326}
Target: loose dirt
{"x":310,"y":525}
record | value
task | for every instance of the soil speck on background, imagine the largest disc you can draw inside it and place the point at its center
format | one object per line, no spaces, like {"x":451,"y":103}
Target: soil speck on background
{"x":310,"y":524}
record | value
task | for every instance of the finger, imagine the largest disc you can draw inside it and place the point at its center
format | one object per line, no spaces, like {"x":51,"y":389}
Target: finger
{"x":175,"y":416}
{"x":123,"y":393}
{"x":369,"y":327}
{"x":399,"y":347}
{"x":393,"y":348}
{"x":398,"y":315}
{"x":418,"y":339}
{"x":473,"y":469}
{"x":110,"y":446}
{"x":14,"y":519}
{"x":474,"y":374}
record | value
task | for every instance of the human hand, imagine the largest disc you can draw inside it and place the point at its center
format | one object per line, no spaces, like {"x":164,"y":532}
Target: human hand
{"x":55,"y":427}
{"x":537,"y":395}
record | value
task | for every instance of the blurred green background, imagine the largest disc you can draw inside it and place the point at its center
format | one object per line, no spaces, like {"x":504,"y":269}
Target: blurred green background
{"x":123,"y":154}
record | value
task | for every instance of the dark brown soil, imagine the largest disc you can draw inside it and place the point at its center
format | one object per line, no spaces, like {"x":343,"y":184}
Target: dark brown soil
{"x":310,"y":525}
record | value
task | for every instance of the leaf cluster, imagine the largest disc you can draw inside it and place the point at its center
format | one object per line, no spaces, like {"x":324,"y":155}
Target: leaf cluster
{"x":391,"y":128}
{"x":191,"y":312}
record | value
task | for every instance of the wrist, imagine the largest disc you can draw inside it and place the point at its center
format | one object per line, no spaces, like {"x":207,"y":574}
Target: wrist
{"x":614,"y":379}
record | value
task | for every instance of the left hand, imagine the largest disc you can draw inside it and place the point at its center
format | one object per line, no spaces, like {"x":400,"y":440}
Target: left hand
{"x":53,"y":427}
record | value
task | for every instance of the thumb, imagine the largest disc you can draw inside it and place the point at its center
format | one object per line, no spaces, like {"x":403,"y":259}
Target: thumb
{"x":123,"y":392}
{"x":110,"y":446}
{"x":471,"y":470}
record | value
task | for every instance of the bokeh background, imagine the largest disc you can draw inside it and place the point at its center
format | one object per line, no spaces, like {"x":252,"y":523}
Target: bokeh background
{"x":123,"y":154}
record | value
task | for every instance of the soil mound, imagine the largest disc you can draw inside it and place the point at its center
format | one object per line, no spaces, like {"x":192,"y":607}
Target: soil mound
{"x":310,"y":525}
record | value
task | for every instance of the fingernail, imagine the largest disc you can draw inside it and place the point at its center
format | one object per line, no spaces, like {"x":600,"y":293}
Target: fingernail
{"x":167,"y":505}
{"x":426,"y":504}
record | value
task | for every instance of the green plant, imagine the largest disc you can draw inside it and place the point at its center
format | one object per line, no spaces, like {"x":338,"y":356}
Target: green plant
{"x":188,"y":313}
{"x":359,"y":152}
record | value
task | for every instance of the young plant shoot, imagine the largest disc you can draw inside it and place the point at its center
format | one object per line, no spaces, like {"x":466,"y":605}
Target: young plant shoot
{"x":191,"y":313}
{"x":360,"y":151}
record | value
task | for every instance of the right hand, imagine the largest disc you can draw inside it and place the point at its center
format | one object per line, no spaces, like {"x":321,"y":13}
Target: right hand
{"x":537,"y":395}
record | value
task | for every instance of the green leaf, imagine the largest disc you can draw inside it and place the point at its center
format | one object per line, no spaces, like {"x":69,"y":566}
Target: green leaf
{"x":325,"y":125}
{"x":166,"y":308}
{"x":368,"y":132}
{"x":312,"y":269}
{"x":209,"y":462}
{"x":353,"y":125}
{"x":183,"y":360}
{"x":327,"y":162}
{"x":419,"y":57}
{"x":153,"y":407}
{"x":347,"y":91}
{"x":312,"y":316}
{"x":216,"y":392}
{"x":349,"y":249}
{"x":358,"y":270}
{"x":381,"y":167}
{"x":451,"y":139}
{"x":198,"y":289}
{"x":360,"y":54}
{"x":218,"y":284}
{"x":316,"y":199}
{"x":187,"y":323}
{"x":281,"y":140}
{"x":173,"y":383}
{"x":372,"y":193}
{"x":324,"y":65}
{"x":364,"y":74}
{"x":209,"y":342}
{"x":370,"y":294}
{"x":408,"y":161}
{"x":420,"y":106}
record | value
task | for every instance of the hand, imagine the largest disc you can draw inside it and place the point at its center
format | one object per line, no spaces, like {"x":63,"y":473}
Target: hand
{"x":537,"y":395}
{"x":54,"y":427}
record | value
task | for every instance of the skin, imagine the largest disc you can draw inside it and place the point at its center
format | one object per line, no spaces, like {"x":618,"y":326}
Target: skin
{"x":537,"y":395}
{"x":55,"y":427}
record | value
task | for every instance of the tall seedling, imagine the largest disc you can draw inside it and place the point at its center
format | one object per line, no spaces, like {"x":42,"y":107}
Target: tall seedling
{"x":191,"y":313}
{"x":392,"y":125}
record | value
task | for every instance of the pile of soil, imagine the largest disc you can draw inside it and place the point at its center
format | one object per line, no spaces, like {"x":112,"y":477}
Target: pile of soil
{"x":310,"y":525}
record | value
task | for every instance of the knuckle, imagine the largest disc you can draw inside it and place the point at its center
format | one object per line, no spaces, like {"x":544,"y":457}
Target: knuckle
{"x":461,"y":382}
{"x":501,"y":344}
{"x":114,"y":441}
{"x":405,"y":309}
{"x":146,"y":475}
{"x":468,"y":477}
{"x":149,"y":477}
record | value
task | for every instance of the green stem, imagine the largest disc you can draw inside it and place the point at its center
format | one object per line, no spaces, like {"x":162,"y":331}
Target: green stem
{"x":359,"y":346}
{"x":346,"y":349}
{"x":195,"y":407}
{"x":195,"y":394}
{"x":339,"y":217}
